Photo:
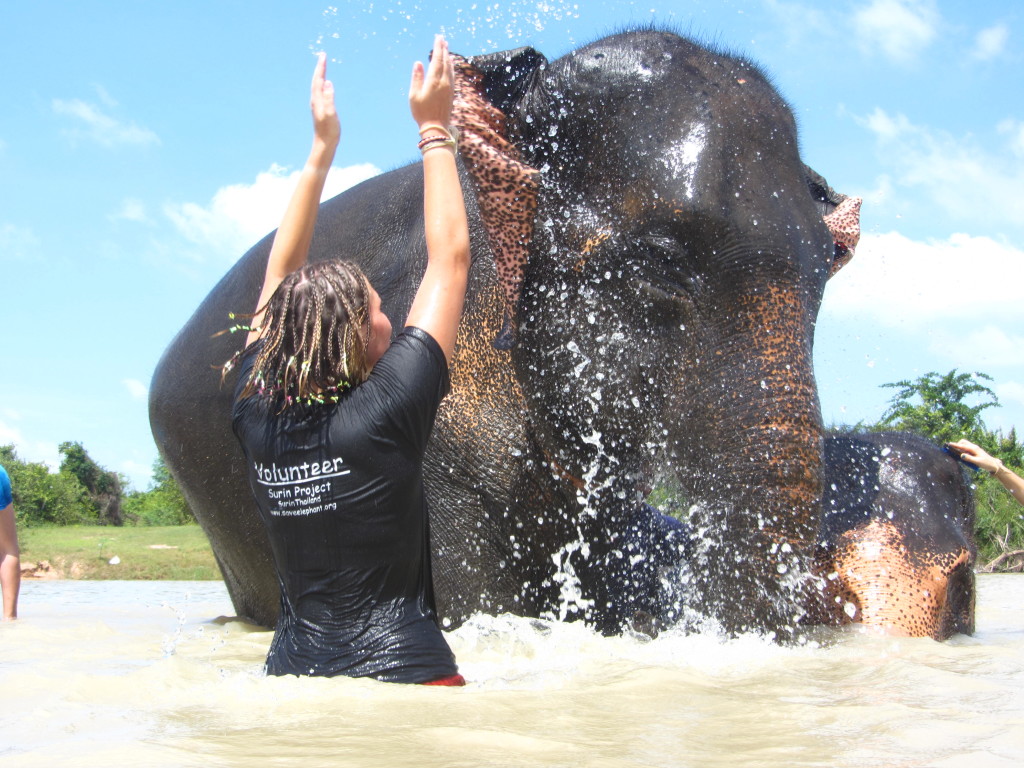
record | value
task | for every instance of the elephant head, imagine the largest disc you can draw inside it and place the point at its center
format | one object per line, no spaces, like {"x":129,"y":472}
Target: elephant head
{"x":664,"y":285}
{"x":896,"y":542}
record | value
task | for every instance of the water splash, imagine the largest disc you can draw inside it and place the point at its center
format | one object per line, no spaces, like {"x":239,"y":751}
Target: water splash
{"x":570,"y":589}
{"x":483,"y":25}
{"x":171,"y":643}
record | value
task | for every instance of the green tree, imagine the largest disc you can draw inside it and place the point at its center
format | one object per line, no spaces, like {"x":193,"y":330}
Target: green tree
{"x":42,"y":497}
{"x":936,"y":406}
{"x":162,"y":504}
{"x":103,"y":487}
{"x":1000,"y":525}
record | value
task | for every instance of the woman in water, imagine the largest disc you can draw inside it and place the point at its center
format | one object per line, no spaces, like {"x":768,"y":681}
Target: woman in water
{"x":334,"y":418}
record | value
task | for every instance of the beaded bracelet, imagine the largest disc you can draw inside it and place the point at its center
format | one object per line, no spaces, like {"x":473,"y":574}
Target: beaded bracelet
{"x":434,"y":142}
{"x":451,"y":131}
{"x":436,"y":137}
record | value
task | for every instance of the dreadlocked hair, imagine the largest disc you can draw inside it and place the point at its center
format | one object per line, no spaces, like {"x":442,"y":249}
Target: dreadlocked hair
{"x":314,"y":345}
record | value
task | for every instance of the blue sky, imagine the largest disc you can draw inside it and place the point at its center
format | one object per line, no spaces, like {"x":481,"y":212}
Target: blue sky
{"x":144,"y":146}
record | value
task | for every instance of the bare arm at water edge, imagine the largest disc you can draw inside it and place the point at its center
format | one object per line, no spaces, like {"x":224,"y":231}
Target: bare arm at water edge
{"x":437,"y":307}
{"x":294,"y":235}
{"x":981,"y":458}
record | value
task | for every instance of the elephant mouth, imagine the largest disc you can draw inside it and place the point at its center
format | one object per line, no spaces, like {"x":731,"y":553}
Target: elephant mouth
{"x":881,"y":583}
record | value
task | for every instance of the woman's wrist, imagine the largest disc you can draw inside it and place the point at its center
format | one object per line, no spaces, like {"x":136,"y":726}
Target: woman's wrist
{"x":1000,"y":468}
{"x":433,"y":125}
{"x":433,"y":135}
{"x":321,"y":156}
{"x":430,"y":128}
{"x":317,"y":167}
{"x":427,"y":150}
{"x":435,"y":141}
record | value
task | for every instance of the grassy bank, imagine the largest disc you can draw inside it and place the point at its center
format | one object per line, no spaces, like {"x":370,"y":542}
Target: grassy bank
{"x":85,"y":552}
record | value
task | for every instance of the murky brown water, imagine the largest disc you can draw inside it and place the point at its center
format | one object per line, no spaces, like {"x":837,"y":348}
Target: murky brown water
{"x":137,"y":673}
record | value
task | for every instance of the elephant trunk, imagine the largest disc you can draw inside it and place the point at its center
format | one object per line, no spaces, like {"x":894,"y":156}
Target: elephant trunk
{"x":758,"y":481}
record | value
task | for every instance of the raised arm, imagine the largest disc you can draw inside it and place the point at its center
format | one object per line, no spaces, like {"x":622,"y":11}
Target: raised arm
{"x":979,"y":457}
{"x":291,"y":243}
{"x":437,"y":306}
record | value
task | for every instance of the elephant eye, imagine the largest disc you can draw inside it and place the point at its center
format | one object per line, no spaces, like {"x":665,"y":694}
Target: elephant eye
{"x":671,"y":256}
{"x":666,"y":265}
{"x":664,"y":243}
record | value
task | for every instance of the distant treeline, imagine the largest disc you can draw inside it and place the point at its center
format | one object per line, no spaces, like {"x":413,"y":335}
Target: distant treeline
{"x":82,"y":492}
{"x":944,"y":408}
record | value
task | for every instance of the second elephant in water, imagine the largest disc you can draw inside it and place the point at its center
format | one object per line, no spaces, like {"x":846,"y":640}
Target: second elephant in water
{"x":897,"y":536}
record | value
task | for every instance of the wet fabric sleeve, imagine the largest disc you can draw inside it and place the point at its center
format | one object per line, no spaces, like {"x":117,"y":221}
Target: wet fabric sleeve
{"x":412,"y":378}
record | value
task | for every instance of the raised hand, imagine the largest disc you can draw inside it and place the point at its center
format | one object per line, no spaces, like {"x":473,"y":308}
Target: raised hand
{"x":976,"y":455}
{"x":295,"y":233}
{"x":431,"y":92}
{"x":326,"y":126}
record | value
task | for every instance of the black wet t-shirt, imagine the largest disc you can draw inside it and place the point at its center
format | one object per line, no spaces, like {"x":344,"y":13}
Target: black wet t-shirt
{"x":340,"y":490}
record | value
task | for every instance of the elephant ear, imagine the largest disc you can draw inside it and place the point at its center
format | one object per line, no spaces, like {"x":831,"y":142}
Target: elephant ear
{"x":841,"y":215}
{"x":487,"y":90}
{"x":512,"y":79}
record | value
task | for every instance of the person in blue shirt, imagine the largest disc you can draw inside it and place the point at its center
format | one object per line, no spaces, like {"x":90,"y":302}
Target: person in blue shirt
{"x":10,"y":556}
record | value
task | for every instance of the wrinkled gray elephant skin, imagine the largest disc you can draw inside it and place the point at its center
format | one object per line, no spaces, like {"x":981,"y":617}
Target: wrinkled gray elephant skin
{"x":658,"y":297}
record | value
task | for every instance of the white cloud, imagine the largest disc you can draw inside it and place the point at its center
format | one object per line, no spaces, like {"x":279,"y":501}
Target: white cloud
{"x":967,"y":181}
{"x":104,"y":95}
{"x":31,"y":451}
{"x":900,"y":29}
{"x":799,"y":20}
{"x":1014,"y":129}
{"x":899,"y":282}
{"x":886,"y":127}
{"x":990,"y":42}
{"x":131,"y":210}
{"x":8,"y":434}
{"x":241,"y":214}
{"x":1010,"y":393}
{"x":17,"y":243}
{"x":136,"y":389}
{"x":987,"y":347}
{"x":92,"y":123}
{"x":140,"y":475}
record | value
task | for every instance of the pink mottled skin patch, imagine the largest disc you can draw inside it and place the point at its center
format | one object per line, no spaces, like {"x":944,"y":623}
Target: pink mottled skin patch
{"x":506,"y":187}
{"x":844,"y":224}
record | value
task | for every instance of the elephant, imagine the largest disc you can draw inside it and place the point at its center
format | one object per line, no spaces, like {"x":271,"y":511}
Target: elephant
{"x":896,"y":541}
{"x":649,"y":255}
